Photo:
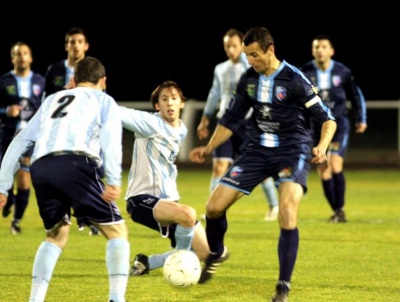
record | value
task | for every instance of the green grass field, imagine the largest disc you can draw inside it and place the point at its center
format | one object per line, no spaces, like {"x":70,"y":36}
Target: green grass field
{"x":356,"y":261}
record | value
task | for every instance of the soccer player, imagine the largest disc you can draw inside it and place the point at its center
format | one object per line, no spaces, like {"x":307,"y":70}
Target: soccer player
{"x":152,"y":195}
{"x":278,"y":145}
{"x":59,"y":75}
{"x":21,"y":92}
{"x":336,"y":85}
{"x":68,"y":131}
{"x":226,"y":77}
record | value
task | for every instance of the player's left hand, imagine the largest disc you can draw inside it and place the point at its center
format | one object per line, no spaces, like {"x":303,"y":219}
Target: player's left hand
{"x":319,"y":156}
{"x":361,"y":127}
{"x":3,"y":200}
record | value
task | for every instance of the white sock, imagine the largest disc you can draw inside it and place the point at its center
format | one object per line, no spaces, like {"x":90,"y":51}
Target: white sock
{"x":117,"y":261}
{"x":45,"y":261}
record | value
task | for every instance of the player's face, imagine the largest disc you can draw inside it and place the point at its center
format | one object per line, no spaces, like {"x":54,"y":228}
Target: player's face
{"x":169,"y":105}
{"x":76,"y":47}
{"x":260,"y":60}
{"x":233,"y":48}
{"x":22,"y":58}
{"x":322,"y":50}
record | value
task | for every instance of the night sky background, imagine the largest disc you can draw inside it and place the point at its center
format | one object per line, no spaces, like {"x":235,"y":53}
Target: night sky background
{"x":141,"y":47}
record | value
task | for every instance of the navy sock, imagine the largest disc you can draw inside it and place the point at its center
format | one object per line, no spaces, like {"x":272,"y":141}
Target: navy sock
{"x":215,"y":230}
{"x":329,"y":192}
{"x":288,"y":245}
{"x":21,"y":202}
{"x":340,"y":187}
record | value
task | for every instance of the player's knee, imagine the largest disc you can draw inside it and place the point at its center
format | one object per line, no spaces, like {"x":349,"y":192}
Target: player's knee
{"x":189,"y":216}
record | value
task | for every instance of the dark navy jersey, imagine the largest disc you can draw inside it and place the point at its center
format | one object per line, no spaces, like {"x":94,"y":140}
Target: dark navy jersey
{"x":282,"y":104}
{"x":335,"y":86}
{"x":10,"y":95}
{"x":56,"y":77}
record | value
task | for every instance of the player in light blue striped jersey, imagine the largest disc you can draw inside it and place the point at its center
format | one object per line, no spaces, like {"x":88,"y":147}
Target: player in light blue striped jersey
{"x":152,"y":195}
{"x":68,"y":131}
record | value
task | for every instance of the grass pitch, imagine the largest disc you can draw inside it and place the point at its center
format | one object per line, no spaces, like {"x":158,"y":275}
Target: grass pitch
{"x":355,"y":261}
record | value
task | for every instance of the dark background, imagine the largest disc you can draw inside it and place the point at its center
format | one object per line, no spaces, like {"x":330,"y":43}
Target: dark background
{"x":141,"y":47}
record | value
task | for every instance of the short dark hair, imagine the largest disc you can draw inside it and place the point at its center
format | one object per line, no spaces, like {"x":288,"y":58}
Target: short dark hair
{"x":89,"y":69}
{"x":167,"y":84}
{"x":323,"y":37}
{"x":261,"y":35}
{"x":75,"y":31}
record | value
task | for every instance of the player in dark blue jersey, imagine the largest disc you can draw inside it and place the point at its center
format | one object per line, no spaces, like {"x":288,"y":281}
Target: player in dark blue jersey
{"x":336,"y":85}
{"x":21,"y":92}
{"x":60,"y":73}
{"x":279,"y":142}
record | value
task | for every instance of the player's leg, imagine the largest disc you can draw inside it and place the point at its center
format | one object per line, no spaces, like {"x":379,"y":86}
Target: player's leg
{"x":168,"y":212}
{"x":117,"y":258}
{"x":216,"y":226}
{"x":339,"y":184}
{"x":23,"y":180}
{"x":142,"y":264}
{"x":55,"y":216}
{"x":46,"y":259}
{"x":290,"y":195}
{"x":6,"y":211}
{"x":269,"y":189}
{"x":200,"y":243}
{"x":292,"y":186}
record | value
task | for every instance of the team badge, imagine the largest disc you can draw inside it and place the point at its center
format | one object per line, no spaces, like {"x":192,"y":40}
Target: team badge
{"x":235,"y":171}
{"x":36,"y":89}
{"x":336,"y":80}
{"x":285,"y":173}
{"x":280,"y":93}
{"x":334,"y":146}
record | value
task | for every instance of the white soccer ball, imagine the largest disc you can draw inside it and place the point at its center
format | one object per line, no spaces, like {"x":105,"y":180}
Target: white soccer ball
{"x":182,"y":268}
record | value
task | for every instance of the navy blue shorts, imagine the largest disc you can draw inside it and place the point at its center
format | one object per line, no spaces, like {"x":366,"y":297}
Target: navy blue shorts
{"x":340,"y":140}
{"x":231,"y":148}
{"x":257,"y":163}
{"x":65,"y":182}
{"x":140,"y":208}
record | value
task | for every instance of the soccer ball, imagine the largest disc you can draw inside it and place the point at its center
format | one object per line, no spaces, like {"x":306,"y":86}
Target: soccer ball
{"x":182,"y":268}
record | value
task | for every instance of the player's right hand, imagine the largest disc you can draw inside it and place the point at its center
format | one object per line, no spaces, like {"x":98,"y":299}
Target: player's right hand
{"x":111,"y":193}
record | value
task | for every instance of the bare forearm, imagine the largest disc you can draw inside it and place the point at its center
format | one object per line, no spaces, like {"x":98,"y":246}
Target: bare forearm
{"x":220,"y":135}
{"x":327,"y":131}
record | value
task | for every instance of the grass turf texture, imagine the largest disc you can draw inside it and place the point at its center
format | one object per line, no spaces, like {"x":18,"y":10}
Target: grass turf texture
{"x":355,"y":261}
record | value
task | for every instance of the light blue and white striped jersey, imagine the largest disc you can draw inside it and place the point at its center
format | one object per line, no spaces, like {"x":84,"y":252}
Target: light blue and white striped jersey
{"x":226,"y":77}
{"x":80,"y":119}
{"x":155,"y":150}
